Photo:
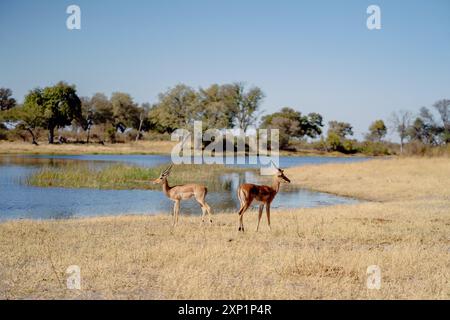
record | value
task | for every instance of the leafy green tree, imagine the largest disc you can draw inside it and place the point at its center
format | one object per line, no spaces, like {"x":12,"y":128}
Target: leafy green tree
{"x":28,"y":117}
{"x":423,"y":131}
{"x":101,"y":109}
{"x":57,"y":106}
{"x":426,"y":129}
{"x":377,"y":131}
{"x":341,"y":129}
{"x":244,"y":104}
{"x":333,"y":141}
{"x":176,"y":108}
{"x":98,"y":111}
{"x":216,"y":107}
{"x":443,"y":108}
{"x":337,"y":136}
{"x":292,"y":124}
{"x":6,"y":102}
{"x":126,"y":111}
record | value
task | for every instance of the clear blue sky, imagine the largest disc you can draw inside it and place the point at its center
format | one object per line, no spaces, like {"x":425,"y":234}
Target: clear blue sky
{"x":311,"y":55}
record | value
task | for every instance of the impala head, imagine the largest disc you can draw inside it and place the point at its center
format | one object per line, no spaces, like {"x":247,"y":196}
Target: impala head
{"x":163,"y":175}
{"x":280,"y":174}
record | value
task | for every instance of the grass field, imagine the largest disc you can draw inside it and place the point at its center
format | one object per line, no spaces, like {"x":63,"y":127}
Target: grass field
{"x":320,"y":253}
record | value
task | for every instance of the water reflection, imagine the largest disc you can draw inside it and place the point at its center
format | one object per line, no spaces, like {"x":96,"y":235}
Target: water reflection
{"x":18,"y":200}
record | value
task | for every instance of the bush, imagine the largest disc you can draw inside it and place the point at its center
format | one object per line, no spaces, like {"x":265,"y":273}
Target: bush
{"x":333,"y":142}
{"x":320,"y":145}
{"x":374,"y":148}
{"x":418,"y":148}
{"x":156,"y":136}
{"x":348,"y":147}
{"x":111,"y":133}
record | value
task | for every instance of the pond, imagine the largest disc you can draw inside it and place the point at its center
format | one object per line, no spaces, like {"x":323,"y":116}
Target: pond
{"x":21,"y":201}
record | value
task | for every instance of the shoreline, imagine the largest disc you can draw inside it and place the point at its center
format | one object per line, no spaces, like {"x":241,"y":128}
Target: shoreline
{"x":134,"y":148}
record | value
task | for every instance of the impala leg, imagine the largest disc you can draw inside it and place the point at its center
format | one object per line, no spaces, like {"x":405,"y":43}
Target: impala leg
{"x":261,"y":207}
{"x":203,"y":213}
{"x":241,"y":217}
{"x":268,"y":214}
{"x":208,"y":209}
{"x":176,"y":212}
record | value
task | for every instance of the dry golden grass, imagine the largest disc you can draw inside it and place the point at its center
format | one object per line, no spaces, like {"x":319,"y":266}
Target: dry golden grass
{"x":140,"y":147}
{"x":380,"y":180}
{"x":309,"y":254}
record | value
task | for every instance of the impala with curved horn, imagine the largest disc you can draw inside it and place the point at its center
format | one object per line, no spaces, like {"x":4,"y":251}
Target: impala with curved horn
{"x":183,"y":192}
{"x":248,"y":192}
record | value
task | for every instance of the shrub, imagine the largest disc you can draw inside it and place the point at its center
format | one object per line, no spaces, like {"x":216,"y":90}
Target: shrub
{"x":111,"y":133}
{"x":348,"y":147}
{"x":333,"y":142}
{"x":374,"y":148}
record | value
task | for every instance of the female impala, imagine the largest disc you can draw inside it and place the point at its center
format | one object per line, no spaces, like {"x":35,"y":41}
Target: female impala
{"x":183,"y":192}
{"x":248,"y":192}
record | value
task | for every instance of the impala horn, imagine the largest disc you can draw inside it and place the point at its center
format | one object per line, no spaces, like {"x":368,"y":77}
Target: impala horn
{"x":167,"y":171}
{"x":274,"y":165}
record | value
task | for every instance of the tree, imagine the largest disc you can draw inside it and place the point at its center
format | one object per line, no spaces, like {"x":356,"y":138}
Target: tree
{"x":292,"y":124}
{"x":6,"y":102}
{"x":216,"y":106}
{"x":101,"y":109}
{"x":341,"y":129}
{"x":420,"y":131}
{"x":28,"y":117}
{"x":98,"y":111}
{"x":57,"y":106}
{"x":377,"y":131}
{"x":333,"y":141}
{"x":443,"y":108}
{"x":245,"y":105}
{"x":144,"y":121}
{"x":401,"y":121}
{"x":126,"y":111}
{"x":426,"y":129}
{"x":337,"y":136}
{"x":176,"y":108}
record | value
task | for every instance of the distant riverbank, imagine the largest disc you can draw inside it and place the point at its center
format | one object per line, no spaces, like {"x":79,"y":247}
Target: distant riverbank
{"x":140,"y":147}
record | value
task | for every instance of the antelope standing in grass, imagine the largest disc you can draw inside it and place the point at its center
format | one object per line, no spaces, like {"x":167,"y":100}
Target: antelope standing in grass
{"x":248,"y":192}
{"x":183,"y":192}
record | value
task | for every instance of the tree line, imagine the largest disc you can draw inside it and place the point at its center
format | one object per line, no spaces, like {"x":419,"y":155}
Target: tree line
{"x":231,"y":105}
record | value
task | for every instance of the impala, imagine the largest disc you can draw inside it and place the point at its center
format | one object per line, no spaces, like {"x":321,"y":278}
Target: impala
{"x":183,"y":192}
{"x":248,"y":192}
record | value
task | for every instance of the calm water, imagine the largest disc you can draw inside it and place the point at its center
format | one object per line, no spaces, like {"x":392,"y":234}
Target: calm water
{"x":18,"y":200}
